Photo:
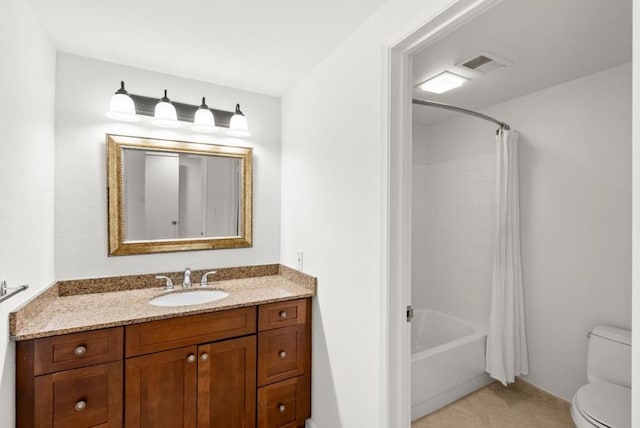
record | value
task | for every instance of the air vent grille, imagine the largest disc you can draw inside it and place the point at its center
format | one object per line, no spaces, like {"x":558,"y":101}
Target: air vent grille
{"x":483,"y":63}
{"x":477,"y":62}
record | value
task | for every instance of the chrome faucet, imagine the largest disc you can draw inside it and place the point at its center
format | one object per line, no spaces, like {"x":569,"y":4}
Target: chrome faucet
{"x":186,"y":282}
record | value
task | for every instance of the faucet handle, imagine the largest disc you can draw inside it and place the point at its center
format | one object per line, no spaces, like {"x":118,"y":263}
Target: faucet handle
{"x":203,"y":281}
{"x":168,"y":284}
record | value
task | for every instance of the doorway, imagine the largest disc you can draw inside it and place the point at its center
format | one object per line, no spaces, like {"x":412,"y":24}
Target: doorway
{"x":402,"y":57}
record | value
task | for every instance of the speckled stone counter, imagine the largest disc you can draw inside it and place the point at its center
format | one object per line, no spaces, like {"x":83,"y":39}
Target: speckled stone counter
{"x":81,"y":305}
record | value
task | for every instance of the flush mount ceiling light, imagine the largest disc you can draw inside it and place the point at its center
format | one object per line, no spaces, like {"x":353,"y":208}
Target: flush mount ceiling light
{"x":443,"y":82}
{"x":238,"y":126}
{"x":122,"y":106}
{"x":165,"y":115}
{"x":203,"y":120}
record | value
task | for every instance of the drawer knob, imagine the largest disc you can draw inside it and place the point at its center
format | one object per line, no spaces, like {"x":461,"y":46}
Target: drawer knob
{"x":204,"y":356}
{"x":282,"y":408}
{"x":191,"y":358}
{"x":282,"y":354}
{"x":80,"y":350}
{"x":283,"y":314}
{"x":81,"y":405}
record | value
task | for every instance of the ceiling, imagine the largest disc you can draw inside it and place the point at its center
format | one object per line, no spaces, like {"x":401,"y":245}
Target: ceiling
{"x":259,"y":46}
{"x":547,"y":41}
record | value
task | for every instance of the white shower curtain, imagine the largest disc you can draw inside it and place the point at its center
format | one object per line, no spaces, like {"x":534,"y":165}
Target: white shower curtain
{"x":506,"y":341}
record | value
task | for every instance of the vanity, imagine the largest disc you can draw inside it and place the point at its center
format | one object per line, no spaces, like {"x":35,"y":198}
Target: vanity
{"x":95,"y":353}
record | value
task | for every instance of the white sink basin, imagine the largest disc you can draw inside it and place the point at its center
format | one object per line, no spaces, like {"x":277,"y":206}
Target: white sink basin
{"x":187,"y":298}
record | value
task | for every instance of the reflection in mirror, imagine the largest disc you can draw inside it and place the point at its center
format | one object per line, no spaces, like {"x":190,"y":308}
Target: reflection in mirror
{"x":177,"y":196}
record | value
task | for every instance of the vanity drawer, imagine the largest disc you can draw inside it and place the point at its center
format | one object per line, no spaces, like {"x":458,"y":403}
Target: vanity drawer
{"x":282,"y":314}
{"x":281,"y":354}
{"x":85,"y":397}
{"x":70,"y":351}
{"x":284,"y":404}
{"x":174,"y":333}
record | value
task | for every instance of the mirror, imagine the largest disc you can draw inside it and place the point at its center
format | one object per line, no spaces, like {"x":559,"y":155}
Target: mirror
{"x":177,"y":196}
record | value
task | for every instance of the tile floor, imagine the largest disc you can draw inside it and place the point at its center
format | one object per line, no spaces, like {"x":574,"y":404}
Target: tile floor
{"x":498,"y":407}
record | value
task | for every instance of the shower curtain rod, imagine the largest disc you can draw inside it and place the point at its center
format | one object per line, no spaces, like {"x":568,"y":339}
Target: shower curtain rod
{"x":502,"y":125}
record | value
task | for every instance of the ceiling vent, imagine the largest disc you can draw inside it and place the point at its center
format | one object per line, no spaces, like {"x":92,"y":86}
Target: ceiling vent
{"x":483,"y":63}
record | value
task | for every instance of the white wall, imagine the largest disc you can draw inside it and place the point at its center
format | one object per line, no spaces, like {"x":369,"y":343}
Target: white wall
{"x":333,"y":208}
{"x":636,"y":215}
{"x":575,"y":194}
{"x":452,"y":231}
{"x":27,"y":85}
{"x":84,"y":87}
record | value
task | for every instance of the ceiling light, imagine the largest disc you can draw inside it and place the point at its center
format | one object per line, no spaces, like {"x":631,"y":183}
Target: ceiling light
{"x":122,"y":106}
{"x":238,"y":126}
{"x":203,"y":120}
{"x":443,"y":82}
{"x":165,"y":115}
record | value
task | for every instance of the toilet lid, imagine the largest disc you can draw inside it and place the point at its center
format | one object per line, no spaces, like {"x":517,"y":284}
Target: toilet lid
{"x":606,"y":403}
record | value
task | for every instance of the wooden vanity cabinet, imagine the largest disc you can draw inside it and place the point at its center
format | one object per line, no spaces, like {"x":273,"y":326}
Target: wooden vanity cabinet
{"x":201,"y":371}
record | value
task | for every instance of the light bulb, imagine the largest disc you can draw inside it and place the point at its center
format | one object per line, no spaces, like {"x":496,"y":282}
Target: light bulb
{"x":238,"y":126}
{"x":203,"y":120}
{"x":122,"y":107}
{"x":165,"y":115}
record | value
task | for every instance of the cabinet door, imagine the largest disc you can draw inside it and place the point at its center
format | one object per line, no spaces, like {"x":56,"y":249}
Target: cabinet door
{"x":284,"y":404}
{"x":160,"y":389}
{"x":227,"y":384}
{"x":282,"y":354}
{"x":86,"y":397}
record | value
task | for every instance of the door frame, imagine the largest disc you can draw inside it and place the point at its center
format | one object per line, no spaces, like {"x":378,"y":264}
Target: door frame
{"x":397,"y":168}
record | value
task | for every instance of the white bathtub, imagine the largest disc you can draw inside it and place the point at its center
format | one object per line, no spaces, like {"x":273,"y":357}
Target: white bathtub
{"x":447,"y":361}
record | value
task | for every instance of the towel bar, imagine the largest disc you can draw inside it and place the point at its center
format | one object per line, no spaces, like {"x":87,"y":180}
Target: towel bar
{"x":6,"y":292}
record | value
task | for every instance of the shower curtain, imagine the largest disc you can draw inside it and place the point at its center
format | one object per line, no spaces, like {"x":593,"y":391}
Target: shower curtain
{"x":506,"y":341}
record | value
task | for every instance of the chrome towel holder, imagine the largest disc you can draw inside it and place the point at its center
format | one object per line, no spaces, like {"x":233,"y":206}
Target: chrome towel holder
{"x":7,"y":292}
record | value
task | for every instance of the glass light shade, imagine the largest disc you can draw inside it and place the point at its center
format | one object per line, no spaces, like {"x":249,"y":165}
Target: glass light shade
{"x":165,"y":115}
{"x":122,"y":106}
{"x":203,"y":120}
{"x":238,"y":126}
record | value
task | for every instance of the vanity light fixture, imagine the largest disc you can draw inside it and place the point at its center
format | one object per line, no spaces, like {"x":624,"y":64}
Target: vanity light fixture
{"x":443,"y":82}
{"x":168,"y":114}
{"x":122,"y":106}
{"x":165,"y":115}
{"x":238,"y":126}
{"x":203,"y":120}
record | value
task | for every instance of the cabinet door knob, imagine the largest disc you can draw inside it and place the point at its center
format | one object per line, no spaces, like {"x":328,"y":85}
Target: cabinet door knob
{"x":282,"y":354}
{"x":204,"y":356}
{"x":191,"y":358}
{"x":80,"y":350}
{"x":282,"y":408}
{"x":81,"y":405}
{"x":283,"y":314}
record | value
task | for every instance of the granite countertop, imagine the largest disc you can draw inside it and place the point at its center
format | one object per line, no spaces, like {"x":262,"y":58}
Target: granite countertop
{"x":60,"y":311}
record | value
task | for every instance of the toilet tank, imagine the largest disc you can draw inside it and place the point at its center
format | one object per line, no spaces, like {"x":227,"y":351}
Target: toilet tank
{"x":609,"y":356}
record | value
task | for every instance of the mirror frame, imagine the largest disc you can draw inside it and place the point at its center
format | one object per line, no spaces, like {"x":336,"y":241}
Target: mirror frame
{"x":115,"y":196}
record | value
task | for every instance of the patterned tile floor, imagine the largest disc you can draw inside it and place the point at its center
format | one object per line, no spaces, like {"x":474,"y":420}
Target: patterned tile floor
{"x":498,"y":407}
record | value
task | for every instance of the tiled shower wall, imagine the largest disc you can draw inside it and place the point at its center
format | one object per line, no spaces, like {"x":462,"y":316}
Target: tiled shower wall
{"x":453,"y":223}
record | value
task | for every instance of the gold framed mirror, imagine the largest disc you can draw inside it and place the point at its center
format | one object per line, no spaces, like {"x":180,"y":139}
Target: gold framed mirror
{"x":166,"y":196}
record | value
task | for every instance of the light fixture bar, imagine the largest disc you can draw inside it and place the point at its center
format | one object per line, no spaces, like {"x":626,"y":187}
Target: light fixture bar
{"x":145,"y":106}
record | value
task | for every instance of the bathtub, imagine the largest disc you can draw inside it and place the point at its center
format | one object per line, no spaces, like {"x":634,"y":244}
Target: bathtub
{"x":447,"y":360}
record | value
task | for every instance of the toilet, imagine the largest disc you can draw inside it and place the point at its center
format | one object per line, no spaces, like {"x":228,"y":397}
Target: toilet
{"x":606,"y":400}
